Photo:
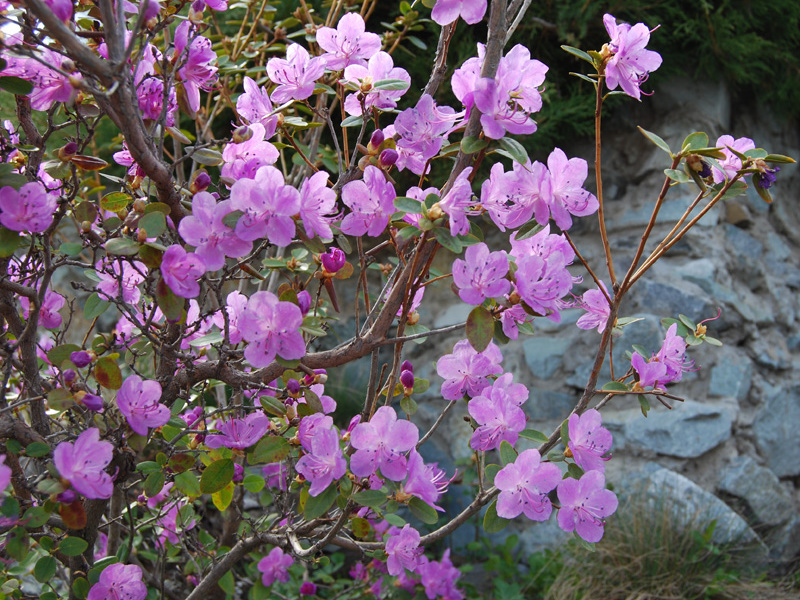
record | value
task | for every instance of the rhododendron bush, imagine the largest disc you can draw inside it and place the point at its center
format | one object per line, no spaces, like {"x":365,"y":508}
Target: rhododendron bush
{"x":165,"y":424}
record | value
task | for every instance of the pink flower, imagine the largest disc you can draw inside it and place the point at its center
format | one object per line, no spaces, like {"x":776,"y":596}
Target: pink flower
{"x":585,"y":504}
{"x":649,"y":372}
{"x":425,"y":481}
{"x":595,"y":303}
{"x":589,"y":441}
{"x":731,"y":163}
{"x":138,"y":401}
{"x":235,"y":303}
{"x":181,"y":271}
{"x":568,"y":197}
{"x":403,"y":550}
{"x":119,"y":581}
{"x":254,"y":106}
{"x":49,"y":317}
{"x":498,"y":414}
{"x":30,"y":209}
{"x":349,"y":43}
{"x":240,"y":433}
{"x":83,"y":464}
{"x":380,"y":67}
{"x":447,"y":11}
{"x":380,"y":444}
{"x":324,"y":463}
{"x":371,"y":201}
{"x":524,"y":485}
{"x":467,"y":371}
{"x":317,"y":205}
{"x":244,"y":159}
{"x":5,"y":474}
{"x":273,"y":328}
{"x":629,"y":64}
{"x":673,"y":355}
{"x":296,"y":75}
{"x":129,"y":276}
{"x":457,"y":203}
{"x":275,"y":567}
{"x":439,"y":578}
{"x":171,"y":525}
{"x":268,"y":205}
{"x":481,"y":275}
{"x":195,"y":55}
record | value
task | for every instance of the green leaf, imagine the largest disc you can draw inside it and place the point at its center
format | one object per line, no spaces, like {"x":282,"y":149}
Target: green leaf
{"x":181,"y":462}
{"x":491,"y":472}
{"x":565,"y":432}
{"x":712,"y":340}
{"x":472,"y":144}
{"x":270,"y":449}
{"x":360,"y":527}
{"x":779,"y":158}
{"x":216,"y":476}
{"x":272,"y":405}
{"x":644,"y":404}
{"x":16,"y":85}
{"x":316,"y":506}
{"x":530,"y":229}
{"x":579,"y":53}
{"x":73,"y":546}
{"x":71,"y":248}
{"x":492,"y":523}
{"x":107,"y":373}
{"x":37,"y":449}
{"x":94,"y":307}
{"x":656,"y":140}
{"x":353,"y":121}
{"x":409,"y":405}
{"x":9,"y":240}
{"x":17,"y":542}
{"x":45,"y":569}
{"x":61,"y":353}
{"x":187,"y":483}
{"x":115,"y":201}
{"x":737,"y":189}
{"x":615,"y":386}
{"x":153,"y":223}
{"x":81,"y":587}
{"x":407,"y":205}
{"x":507,"y":453}
{"x":214,"y":337}
{"x":121,"y":246}
{"x":371,"y":498}
{"x":533,"y":435}
{"x":222,"y":499}
{"x":514,"y":148}
{"x":207,"y":157}
{"x":421,"y":385}
{"x":396,"y":85}
{"x":154,"y":483}
{"x":480,"y":328}
{"x":448,"y":241}
{"x":170,"y":304}
{"x":574,"y":471}
{"x":35,"y":516}
{"x":253,"y":483}
{"x":423,"y":511}
{"x":677,"y":175}
{"x":695,"y":141}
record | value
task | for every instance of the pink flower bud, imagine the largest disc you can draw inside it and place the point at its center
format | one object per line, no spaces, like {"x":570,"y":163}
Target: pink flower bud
{"x":388,"y":157}
{"x":376,"y":139}
{"x":333,"y":260}
{"x":308,"y":589}
{"x":242,"y":134}
{"x":67,"y":497}
{"x":406,"y":366}
{"x":200,"y":182}
{"x":238,"y":472}
{"x":80,"y":358}
{"x":304,"y":301}
{"x":293,"y":387}
{"x":69,"y":377}
{"x":407,"y":379}
{"x":93,"y":402}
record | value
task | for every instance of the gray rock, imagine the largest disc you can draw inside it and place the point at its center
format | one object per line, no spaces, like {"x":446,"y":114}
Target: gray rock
{"x":691,"y":504}
{"x":767,"y":500}
{"x":784,"y":543}
{"x":547,"y":405}
{"x":537,"y":537}
{"x":732,"y":375}
{"x":776,"y":432}
{"x":544,"y":355}
{"x":770,"y":351}
{"x":670,"y":300}
{"x":689,"y":430}
{"x":668,"y":215}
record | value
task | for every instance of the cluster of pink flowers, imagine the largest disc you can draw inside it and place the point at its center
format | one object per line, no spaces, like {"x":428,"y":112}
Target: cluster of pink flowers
{"x":665,"y":366}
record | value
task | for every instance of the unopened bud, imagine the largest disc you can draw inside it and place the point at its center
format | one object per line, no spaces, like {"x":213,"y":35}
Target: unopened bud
{"x":139,"y":205}
{"x":406,"y":366}
{"x":435,"y":212}
{"x":407,"y":379}
{"x":413,"y":318}
{"x":333,"y":260}
{"x":241,"y":134}
{"x":377,"y":139}
{"x":200,"y":182}
{"x":141,"y":235}
{"x":67,"y":497}
{"x":92,"y":402}
{"x":293,"y":387}
{"x":238,"y":472}
{"x":86,"y":226}
{"x":67,"y":151}
{"x":69,"y":377}
{"x":304,"y":301}
{"x":76,"y":81}
{"x":366,"y":84}
{"x":388,"y":157}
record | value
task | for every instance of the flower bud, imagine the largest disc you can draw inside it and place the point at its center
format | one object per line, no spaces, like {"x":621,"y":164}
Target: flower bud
{"x":200,"y":182}
{"x":308,"y":589}
{"x":139,"y":205}
{"x":376,"y":139}
{"x":238,"y":472}
{"x":81,"y":358}
{"x":67,"y":65}
{"x":242,"y":134}
{"x":389,"y":157}
{"x":93,"y":402}
{"x":69,"y":377}
{"x":407,"y":379}
{"x":333,"y":260}
{"x":141,"y":235}
{"x":293,"y":387}
{"x":67,"y":497}
{"x":304,"y":302}
{"x":67,"y":151}
{"x":406,"y":366}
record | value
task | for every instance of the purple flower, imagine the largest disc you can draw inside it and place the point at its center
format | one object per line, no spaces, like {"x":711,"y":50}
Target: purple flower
{"x":511,"y":318}
{"x":61,"y":8}
{"x":371,"y":201}
{"x":138,"y":402}
{"x":243,"y":159}
{"x":317,"y":204}
{"x":457,"y":203}
{"x":195,"y":55}
{"x":205,"y":230}
{"x":92,"y":402}
{"x":276,"y":475}
{"x":407,"y":379}
{"x":766,"y":177}
{"x":83,"y":464}
{"x":273,"y":328}
{"x":568,"y":197}
{"x":129,"y":276}
{"x":439,"y":579}
{"x":275,"y":567}
{"x":447,"y":11}
{"x":295,"y":75}
{"x":235,"y":303}
{"x":403,"y":550}
{"x":589,"y":441}
{"x":5,"y":474}
{"x":181,"y":271}
{"x":30,"y":209}
{"x":629,"y":64}
{"x":240,"y":433}
{"x":349,"y":43}
{"x":324,"y":463}
{"x":119,"y":581}
{"x":466,"y":370}
{"x":380,"y":443}
{"x":649,"y":372}
{"x":731,"y":163}
{"x":308,"y":589}
{"x":380,"y":66}
{"x":171,"y":525}
{"x":49,"y":316}
{"x":333,"y":260}
{"x":254,"y":106}
{"x":425,"y":481}
{"x":481,"y":275}
{"x":595,"y":303}
{"x":584,"y":504}
{"x":513,"y":197}
{"x":160,"y":497}
{"x":673,"y":355}
{"x":304,"y":302}
{"x":424,"y":128}
{"x":524,"y":485}
{"x":310,"y":426}
{"x":498,"y":414}
{"x":268,"y":205}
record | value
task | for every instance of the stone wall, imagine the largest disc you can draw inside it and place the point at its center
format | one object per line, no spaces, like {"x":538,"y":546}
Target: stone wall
{"x":731,"y":449}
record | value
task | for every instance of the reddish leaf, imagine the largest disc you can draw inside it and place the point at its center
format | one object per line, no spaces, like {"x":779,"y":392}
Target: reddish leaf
{"x":480,"y":328}
{"x":73,"y":515}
